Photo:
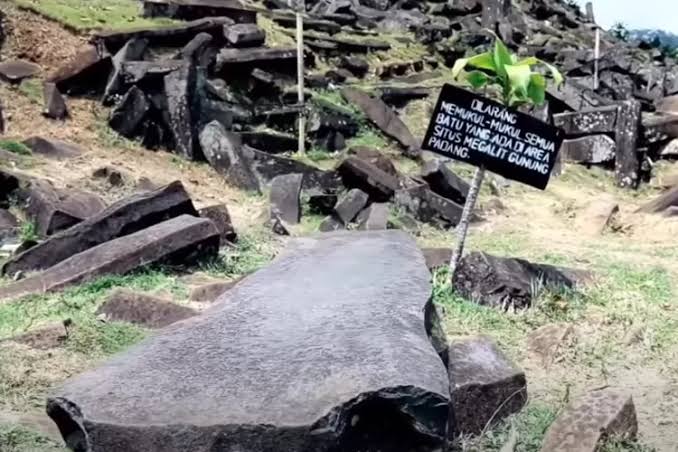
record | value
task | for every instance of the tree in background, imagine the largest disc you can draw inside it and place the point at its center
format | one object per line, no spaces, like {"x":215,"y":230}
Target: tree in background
{"x":518,"y":82}
{"x":620,"y":32}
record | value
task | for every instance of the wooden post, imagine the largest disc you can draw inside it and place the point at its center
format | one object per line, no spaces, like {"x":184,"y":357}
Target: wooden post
{"x":596,"y":57}
{"x":300,"y":76}
{"x":466,"y":215}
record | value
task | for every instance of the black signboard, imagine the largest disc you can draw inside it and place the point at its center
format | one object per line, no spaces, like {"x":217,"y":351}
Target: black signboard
{"x":482,"y":132}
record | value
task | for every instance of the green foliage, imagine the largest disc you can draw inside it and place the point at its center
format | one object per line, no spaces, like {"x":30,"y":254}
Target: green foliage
{"x":252,"y":252}
{"x":15,"y":147}
{"x":18,"y":439}
{"x":620,"y":32}
{"x":519,"y":83}
{"x":94,"y":338}
{"x":28,"y":232}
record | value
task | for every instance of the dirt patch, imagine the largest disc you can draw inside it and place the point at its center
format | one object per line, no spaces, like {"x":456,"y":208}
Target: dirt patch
{"x":37,"y":39}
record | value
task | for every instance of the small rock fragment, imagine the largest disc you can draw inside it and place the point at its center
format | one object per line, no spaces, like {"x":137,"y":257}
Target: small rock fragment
{"x":222,"y":220}
{"x":55,"y":105}
{"x":350,"y":205}
{"x":141,"y":309}
{"x":284,"y":197}
{"x":373,"y":218}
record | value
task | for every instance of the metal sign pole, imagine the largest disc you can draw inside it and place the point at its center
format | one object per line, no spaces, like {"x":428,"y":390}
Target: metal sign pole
{"x":596,"y":56}
{"x":300,"y":76}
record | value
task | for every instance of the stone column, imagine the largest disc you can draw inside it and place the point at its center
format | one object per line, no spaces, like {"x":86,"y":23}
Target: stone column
{"x":494,"y":11}
{"x":627,"y":163}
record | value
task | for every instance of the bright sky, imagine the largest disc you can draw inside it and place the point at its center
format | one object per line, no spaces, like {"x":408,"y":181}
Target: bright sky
{"x":660,"y":14}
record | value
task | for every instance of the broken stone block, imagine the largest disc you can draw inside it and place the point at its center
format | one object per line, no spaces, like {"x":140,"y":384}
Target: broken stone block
{"x":374,"y":329}
{"x":331,"y":223}
{"x":55,"y":105}
{"x":662,"y":203}
{"x":9,"y":225}
{"x":350,"y":205}
{"x":197,"y":9}
{"x":383,"y":117}
{"x":133,"y":50}
{"x":586,"y":422}
{"x":222,"y":220}
{"x":278,"y":225}
{"x":180,"y":88}
{"x":485,"y":386}
{"x":52,"y":209}
{"x":52,"y":148}
{"x":267,"y":166}
{"x":546,"y":341}
{"x":357,"y":173}
{"x":123,"y":305}
{"x":399,"y":97}
{"x":128,"y":114}
{"x":376,"y":158}
{"x":86,"y":73}
{"x":124,"y":217}
{"x":599,"y":120}
{"x":589,"y":149}
{"x":172,"y":36}
{"x":429,"y":207}
{"x":285,"y":197}
{"x":180,"y":240}
{"x":670,"y":150}
{"x":244,"y":35}
{"x":373,"y":218}
{"x":270,"y":142}
{"x":321,"y":202}
{"x":14,"y":71}
{"x":627,"y":161}
{"x":506,"y":282}
{"x":444,"y":182}
{"x":225,"y":154}
{"x":355,"y":65}
{"x":110,"y":174}
{"x":597,"y":216}
{"x":281,"y":60}
{"x":200,"y":51}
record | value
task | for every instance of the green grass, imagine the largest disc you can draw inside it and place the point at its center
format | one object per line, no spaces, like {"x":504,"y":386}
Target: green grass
{"x":369,"y":137}
{"x":252,"y":251}
{"x":20,"y":439}
{"x":28,"y":232}
{"x":32,"y":89}
{"x":91,"y":14}
{"x":15,"y":147}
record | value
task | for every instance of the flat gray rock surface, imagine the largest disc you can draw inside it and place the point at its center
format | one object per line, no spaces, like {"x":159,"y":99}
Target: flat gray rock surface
{"x":326,"y":349}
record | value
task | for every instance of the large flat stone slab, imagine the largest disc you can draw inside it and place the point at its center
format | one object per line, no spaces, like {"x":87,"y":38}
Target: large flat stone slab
{"x":197,"y":9}
{"x":598,"y":120}
{"x":124,"y":217}
{"x":172,"y":241}
{"x":590,"y":419}
{"x":361,"y":374}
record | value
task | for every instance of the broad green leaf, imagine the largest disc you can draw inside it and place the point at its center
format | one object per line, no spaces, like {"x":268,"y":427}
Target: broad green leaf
{"x":477,"y":79}
{"x":459,"y":66}
{"x":529,"y":61}
{"x":483,"y":61}
{"x":536,"y":91}
{"x":518,"y":77}
{"x":502,"y":57}
{"x":555,"y":73}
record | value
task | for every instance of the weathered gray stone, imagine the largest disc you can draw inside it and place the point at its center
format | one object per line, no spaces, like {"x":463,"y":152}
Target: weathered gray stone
{"x":221,"y":218}
{"x":350,"y":205}
{"x":376,"y":158}
{"x":179,"y":240}
{"x":429,"y":207}
{"x":54,"y":209}
{"x":383,"y":117}
{"x":85,"y":73}
{"x":374,"y":218}
{"x":124,"y":217}
{"x":14,"y":71}
{"x":210,"y":292}
{"x":9,"y":225}
{"x":357,"y":173}
{"x":505,"y":282}
{"x":224,"y":152}
{"x":588,"y":420}
{"x":54,"y":103}
{"x":200,"y":50}
{"x":285,"y":197}
{"x":133,"y":50}
{"x":495,"y":11}
{"x":331,"y":223}
{"x":444,"y":181}
{"x":627,"y":161}
{"x":663,"y":202}
{"x":671,"y":149}
{"x":123,"y":305}
{"x":244,"y":35}
{"x":599,"y":120}
{"x":262,"y":58}
{"x":485,"y":386}
{"x":588,"y":149}
{"x":180,"y":89}
{"x":128,"y":114}
{"x":51,"y":148}
{"x":245,"y":376}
